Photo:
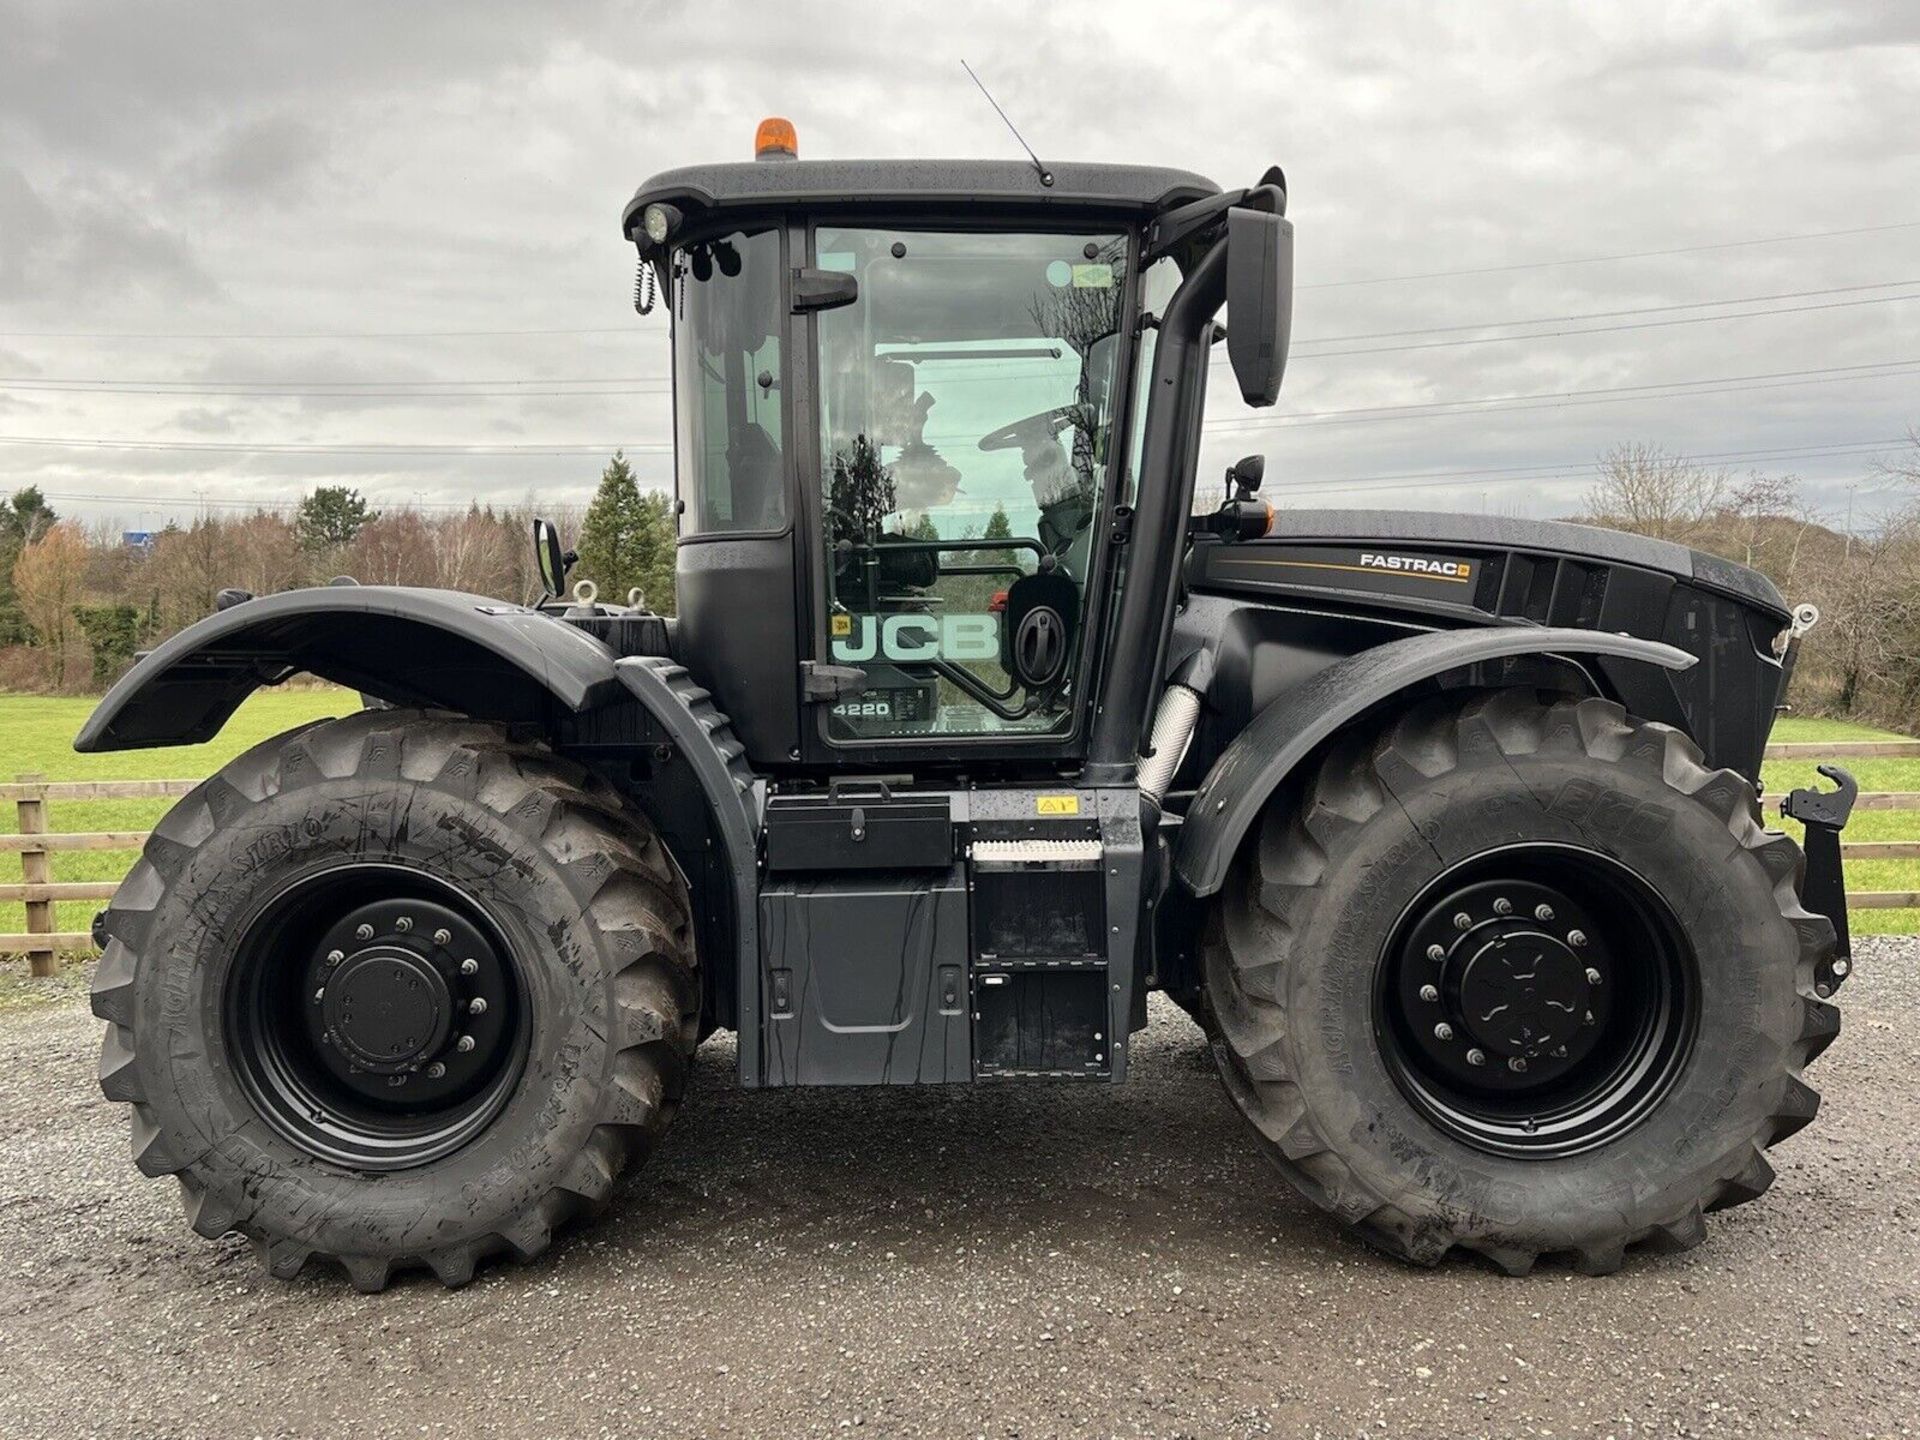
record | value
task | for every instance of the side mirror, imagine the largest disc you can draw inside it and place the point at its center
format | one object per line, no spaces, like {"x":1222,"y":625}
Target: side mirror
{"x":552,"y":558}
{"x":816,"y":289}
{"x":1259,"y":301}
{"x":1245,"y":474}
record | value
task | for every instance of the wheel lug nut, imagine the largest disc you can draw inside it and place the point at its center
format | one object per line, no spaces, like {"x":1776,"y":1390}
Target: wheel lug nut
{"x":1503,"y":906}
{"x":319,"y":994}
{"x":469,"y":967}
{"x":1476,"y":1057}
{"x":364,"y":932}
{"x":1443,"y":1031}
{"x":334,"y":957}
{"x":1841,"y":965}
{"x":441,"y":937}
{"x":1436,"y":952}
{"x":436,"y":1070}
{"x":1543,"y":913}
{"x":1429,"y":993}
{"x":394,"y":1082}
{"x":1463,"y":921}
{"x":1576,"y":938}
{"x":403,"y":924}
{"x":1593,"y":976}
{"x":464,"y":1044}
{"x":1589,"y":1018}
{"x":477,"y":1006}
{"x":1517,"y":1064}
{"x":1559,"y":1052}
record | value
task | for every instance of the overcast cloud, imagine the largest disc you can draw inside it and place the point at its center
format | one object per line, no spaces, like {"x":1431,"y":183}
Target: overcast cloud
{"x":349,"y":171}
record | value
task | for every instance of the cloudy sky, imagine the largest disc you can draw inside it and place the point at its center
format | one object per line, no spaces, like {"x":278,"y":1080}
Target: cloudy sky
{"x":245,"y":249}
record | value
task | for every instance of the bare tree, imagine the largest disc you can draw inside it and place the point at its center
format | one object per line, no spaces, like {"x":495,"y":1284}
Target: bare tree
{"x":1903,"y":468}
{"x":263,"y":554}
{"x":1874,"y":607}
{"x":473,"y":552}
{"x":1644,"y":489}
{"x":50,"y":579}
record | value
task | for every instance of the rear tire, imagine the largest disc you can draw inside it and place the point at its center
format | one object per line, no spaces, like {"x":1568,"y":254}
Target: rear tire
{"x":1321,"y":1035}
{"x":507,"y":851}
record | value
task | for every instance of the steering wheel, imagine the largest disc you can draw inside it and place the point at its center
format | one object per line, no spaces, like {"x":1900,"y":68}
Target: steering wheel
{"x":1033,"y":430}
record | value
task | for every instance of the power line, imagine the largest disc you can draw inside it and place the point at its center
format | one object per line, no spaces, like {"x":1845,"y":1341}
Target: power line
{"x":1421,"y":479}
{"x":223,"y":387}
{"x":1599,"y":329}
{"x":309,"y":334}
{"x":624,"y":385}
{"x":630,"y":329}
{"x":1607,"y":259}
{"x":1406,"y":480}
{"x":1612,"y":314}
{"x":63,"y":442}
{"x":1558,"y":399}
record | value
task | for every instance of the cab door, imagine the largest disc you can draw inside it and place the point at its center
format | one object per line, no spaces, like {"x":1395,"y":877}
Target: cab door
{"x":966,"y":429}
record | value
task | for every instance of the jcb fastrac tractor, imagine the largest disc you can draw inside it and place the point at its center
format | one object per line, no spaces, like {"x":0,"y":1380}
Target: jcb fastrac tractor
{"x":972,"y":731}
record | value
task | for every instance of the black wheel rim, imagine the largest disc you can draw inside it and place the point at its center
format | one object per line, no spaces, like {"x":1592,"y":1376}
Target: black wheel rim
{"x":1537,"y":1001}
{"x":375,"y":1016}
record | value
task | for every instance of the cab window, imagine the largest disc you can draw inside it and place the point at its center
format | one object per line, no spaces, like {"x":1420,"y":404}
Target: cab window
{"x":966,"y":408}
{"x":732,"y":477}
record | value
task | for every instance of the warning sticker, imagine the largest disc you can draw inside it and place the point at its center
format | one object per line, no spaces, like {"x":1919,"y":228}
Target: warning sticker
{"x":1056,"y":805}
{"x":843,"y":625}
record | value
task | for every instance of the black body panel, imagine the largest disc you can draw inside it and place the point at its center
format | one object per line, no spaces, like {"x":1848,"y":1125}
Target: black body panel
{"x":408,"y":646}
{"x":866,"y":980}
{"x":990,"y":186}
{"x":1362,"y":576}
{"x":736,"y":633}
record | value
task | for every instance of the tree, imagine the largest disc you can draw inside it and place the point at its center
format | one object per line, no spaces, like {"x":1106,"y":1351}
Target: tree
{"x":627,"y":539}
{"x":23,"y":520}
{"x":1644,"y":489}
{"x":113,"y":635}
{"x":26,"y":517}
{"x":860,"y":492}
{"x":331,"y":518}
{"x":49,"y":579}
{"x":1873,"y":607}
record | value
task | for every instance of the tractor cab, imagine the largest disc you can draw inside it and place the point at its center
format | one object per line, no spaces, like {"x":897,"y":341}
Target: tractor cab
{"x":910,"y":399}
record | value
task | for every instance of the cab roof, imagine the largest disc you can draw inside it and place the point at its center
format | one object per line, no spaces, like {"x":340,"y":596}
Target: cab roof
{"x":1139,"y":190}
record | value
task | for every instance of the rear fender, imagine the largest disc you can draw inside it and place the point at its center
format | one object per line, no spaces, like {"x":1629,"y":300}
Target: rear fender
{"x":437,"y":648}
{"x":1292,"y":727}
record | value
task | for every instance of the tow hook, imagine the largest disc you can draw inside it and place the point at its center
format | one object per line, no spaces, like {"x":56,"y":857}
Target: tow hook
{"x":1824,"y":890}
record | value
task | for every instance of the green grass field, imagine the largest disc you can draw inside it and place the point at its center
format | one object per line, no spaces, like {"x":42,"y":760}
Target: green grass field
{"x":38,"y":737}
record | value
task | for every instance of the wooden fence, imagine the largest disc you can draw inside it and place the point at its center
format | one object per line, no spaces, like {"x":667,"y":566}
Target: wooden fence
{"x":36,"y":843}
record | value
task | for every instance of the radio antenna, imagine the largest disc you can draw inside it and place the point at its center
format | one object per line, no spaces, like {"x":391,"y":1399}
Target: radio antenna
{"x":1046,"y":175}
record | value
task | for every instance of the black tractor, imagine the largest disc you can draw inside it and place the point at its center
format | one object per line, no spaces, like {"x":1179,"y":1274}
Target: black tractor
{"x":972,"y":731}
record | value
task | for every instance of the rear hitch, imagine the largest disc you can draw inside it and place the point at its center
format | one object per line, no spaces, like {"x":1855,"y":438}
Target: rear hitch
{"x":1824,"y":890}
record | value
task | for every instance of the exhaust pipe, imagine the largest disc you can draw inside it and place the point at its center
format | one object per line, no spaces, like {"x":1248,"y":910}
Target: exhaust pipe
{"x":1173,"y":725}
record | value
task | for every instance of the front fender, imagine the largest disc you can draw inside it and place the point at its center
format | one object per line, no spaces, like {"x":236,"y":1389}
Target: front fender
{"x":437,"y":648}
{"x":1253,"y":766}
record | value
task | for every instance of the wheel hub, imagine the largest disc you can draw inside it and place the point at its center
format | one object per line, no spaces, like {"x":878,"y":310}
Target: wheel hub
{"x":1524,"y":993}
{"x":410,"y":999}
{"x":387,"y":1010}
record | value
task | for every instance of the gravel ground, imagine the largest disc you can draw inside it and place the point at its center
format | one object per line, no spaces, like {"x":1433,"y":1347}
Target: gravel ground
{"x":1004,"y":1262}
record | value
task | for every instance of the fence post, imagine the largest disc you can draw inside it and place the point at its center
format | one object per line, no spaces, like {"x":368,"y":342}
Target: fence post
{"x":37,"y":869}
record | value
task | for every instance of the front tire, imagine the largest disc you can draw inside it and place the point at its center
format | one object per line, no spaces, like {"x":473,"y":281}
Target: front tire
{"x":395,"y":991}
{"x":1520,"y":976}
